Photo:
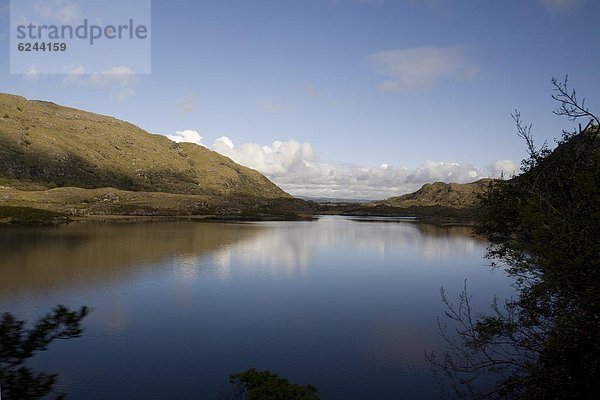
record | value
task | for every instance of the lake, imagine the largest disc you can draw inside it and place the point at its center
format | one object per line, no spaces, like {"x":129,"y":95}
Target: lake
{"x":347,"y":305}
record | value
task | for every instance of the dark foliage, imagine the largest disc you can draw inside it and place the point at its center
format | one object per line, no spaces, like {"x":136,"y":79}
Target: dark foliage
{"x":18,"y":344}
{"x":544,"y":228}
{"x":265,"y":385}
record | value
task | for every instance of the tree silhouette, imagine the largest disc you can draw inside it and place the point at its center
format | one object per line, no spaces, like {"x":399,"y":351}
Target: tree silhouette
{"x":265,"y":385}
{"x":544,"y":230}
{"x":18,"y":344}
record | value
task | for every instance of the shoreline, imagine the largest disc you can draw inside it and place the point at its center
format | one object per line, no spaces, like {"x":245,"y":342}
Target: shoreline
{"x":59,"y":219}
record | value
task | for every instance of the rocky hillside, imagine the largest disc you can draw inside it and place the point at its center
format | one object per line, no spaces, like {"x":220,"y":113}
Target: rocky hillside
{"x":441,"y":194}
{"x":44,"y":145}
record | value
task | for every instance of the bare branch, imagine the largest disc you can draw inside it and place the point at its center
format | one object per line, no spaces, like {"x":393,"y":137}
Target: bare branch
{"x":570,"y":106}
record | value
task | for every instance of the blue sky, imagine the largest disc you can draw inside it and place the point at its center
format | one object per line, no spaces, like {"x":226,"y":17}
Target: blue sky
{"x":347,"y":98}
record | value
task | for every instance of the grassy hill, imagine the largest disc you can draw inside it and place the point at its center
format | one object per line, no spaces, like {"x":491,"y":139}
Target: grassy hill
{"x":437,"y":202}
{"x":441,"y":194}
{"x":44,"y":145}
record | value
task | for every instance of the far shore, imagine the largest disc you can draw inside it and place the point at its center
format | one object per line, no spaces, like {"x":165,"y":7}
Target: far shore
{"x":23,"y":216}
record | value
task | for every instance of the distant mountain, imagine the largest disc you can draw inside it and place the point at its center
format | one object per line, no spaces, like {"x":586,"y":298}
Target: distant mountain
{"x":333,"y":200}
{"x":441,"y":194}
{"x":437,"y":202}
{"x":44,"y":145}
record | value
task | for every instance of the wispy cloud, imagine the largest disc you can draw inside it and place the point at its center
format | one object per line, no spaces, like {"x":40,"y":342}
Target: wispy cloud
{"x":186,"y":105}
{"x":271,"y":106}
{"x":310,"y":89}
{"x":119,"y":81}
{"x":422,"y":66}
{"x":64,"y":11}
{"x":298,"y":169}
{"x":32,"y":74}
{"x":559,"y":6}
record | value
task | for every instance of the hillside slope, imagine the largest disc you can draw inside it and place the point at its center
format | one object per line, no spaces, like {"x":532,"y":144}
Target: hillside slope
{"x":44,"y":145}
{"x":441,"y":194}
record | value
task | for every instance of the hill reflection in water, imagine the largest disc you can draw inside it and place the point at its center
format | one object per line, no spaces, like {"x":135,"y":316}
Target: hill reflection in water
{"x":344,"y":305}
{"x":42,"y":258}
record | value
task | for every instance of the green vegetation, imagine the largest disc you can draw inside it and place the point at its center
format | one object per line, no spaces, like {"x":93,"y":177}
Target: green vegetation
{"x":27,"y":215}
{"x":434,"y":214}
{"x":442,"y":194}
{"x":18,"y":344}
{"x":265,"y":385}
{"x":78,"y":203}
{"x":544,"y":227}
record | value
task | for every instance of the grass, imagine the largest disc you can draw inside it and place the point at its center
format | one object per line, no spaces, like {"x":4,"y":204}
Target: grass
{"x":28,"y":215}
{"x":83,"y":203}
{"x":433,"y":214}
{"x":455,"y":195}
{"x":44,"y":145}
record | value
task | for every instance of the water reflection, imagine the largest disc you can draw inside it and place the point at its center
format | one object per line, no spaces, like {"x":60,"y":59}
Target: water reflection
{"x":290,"y":247}
{"x":42,"y":258}
{"x":347,"y":306}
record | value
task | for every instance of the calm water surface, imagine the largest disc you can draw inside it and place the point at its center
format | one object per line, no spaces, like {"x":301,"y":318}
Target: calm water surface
{"x":349,"y":306}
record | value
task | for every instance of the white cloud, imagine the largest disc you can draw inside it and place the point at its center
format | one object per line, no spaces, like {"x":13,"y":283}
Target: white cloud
{"x":187,"y":135}
{"x":291,"y":252}
{"x":223,"y":141}
{"x":504,"y":167}
{"x":120,"y":75}
{"x":186,"y":105}
{"x":123,"y":94}
{"x":75,"y":74}
{"x":422,"y":66}
{"x":276,"y":160}
{"x":297,"y":168}
{"x":119,"y":81}
{"x":558,"y":6}
{"x":64,"y":11}
{"x":32,"y":74}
